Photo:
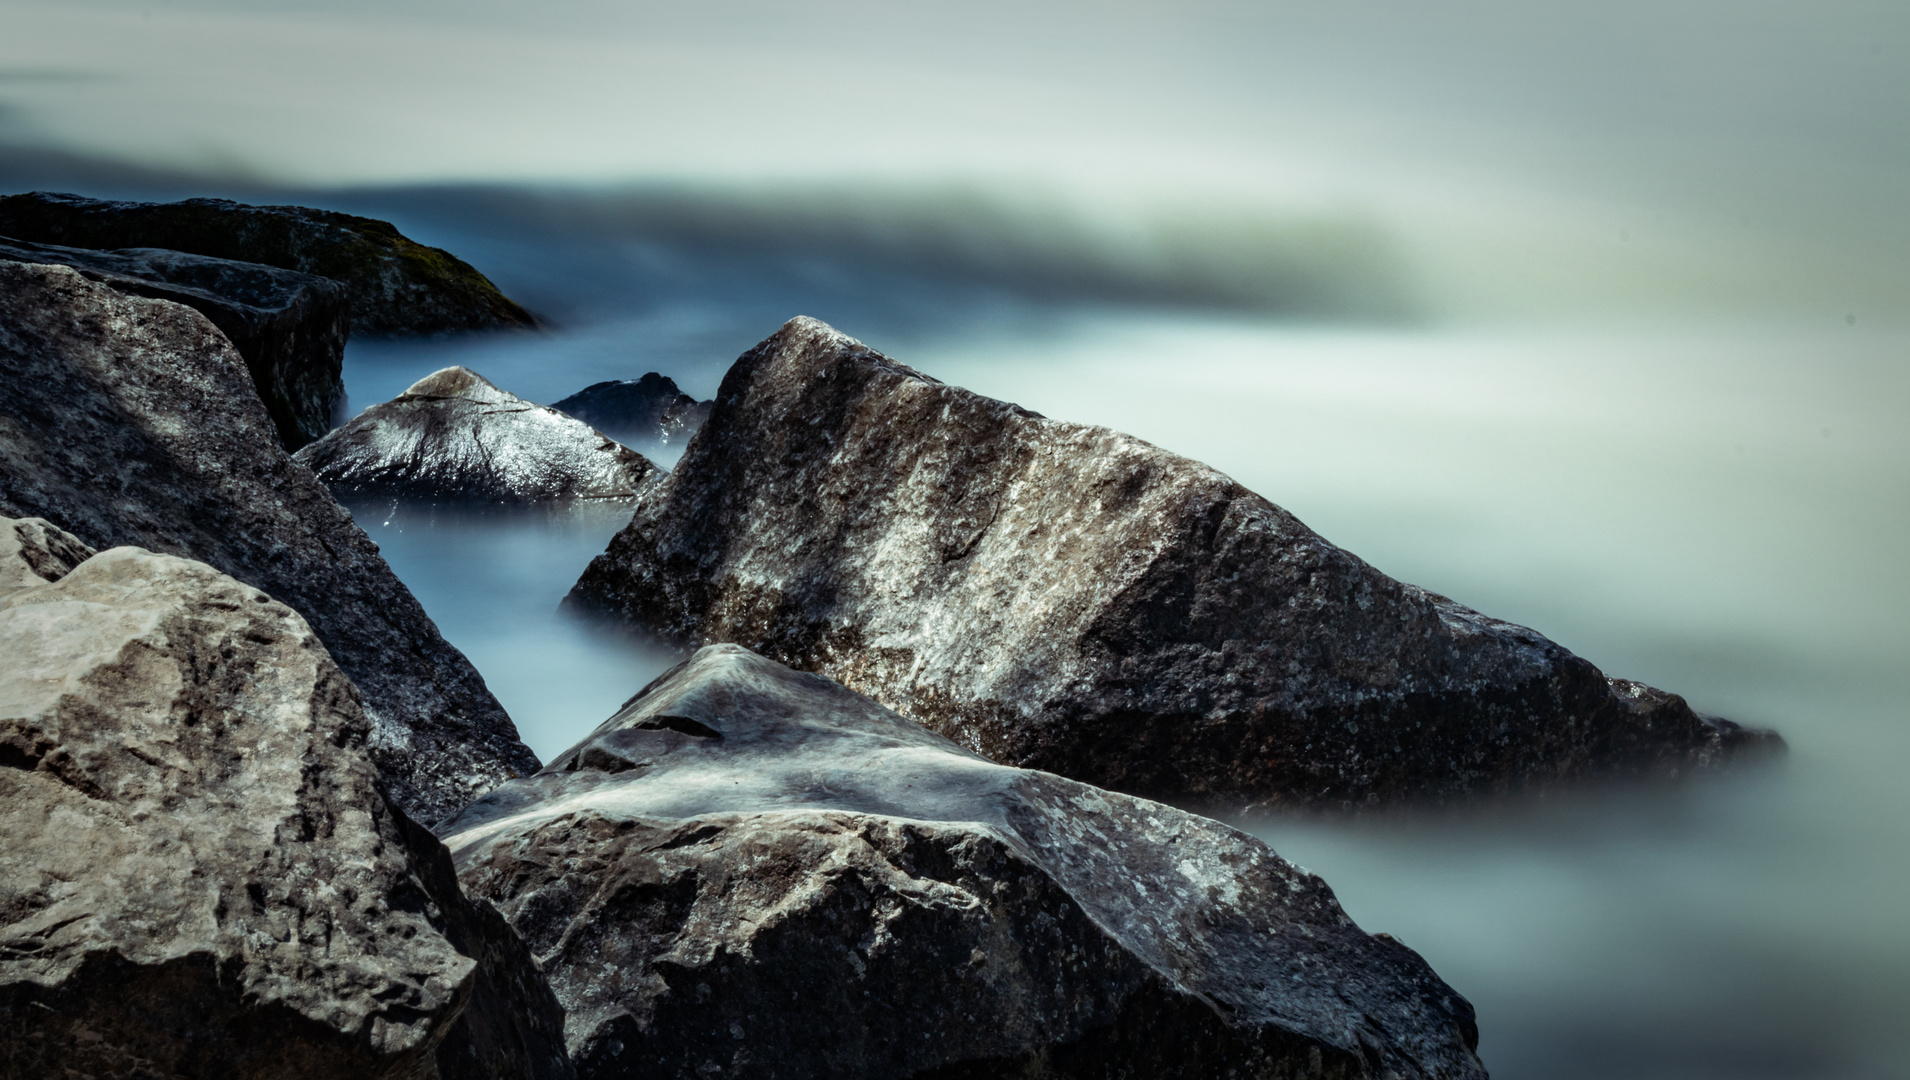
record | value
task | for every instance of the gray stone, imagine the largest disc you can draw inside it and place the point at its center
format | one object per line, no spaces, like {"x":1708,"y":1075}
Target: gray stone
{"x":1064,"y":597}
{"x":454,"y":437}
{"x":398,"y":286}
{"x":749,"y":871}
{"x":639,"y":412}
{"x":132,"y":421}
{"x":290,"y":327}
{"x":201,"y":877}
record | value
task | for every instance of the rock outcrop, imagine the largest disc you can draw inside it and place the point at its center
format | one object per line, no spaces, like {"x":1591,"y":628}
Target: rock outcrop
{"x":454,"y":437}
{"x":200,"y":875}
{"x":398,"y":286}
{"x":1064,"y":597}
{"x":750,"y":871}
{"x":34,"y":551}
{"x":290,"y":327}
{"x":132,"y":421}
{"x":639,"y":412}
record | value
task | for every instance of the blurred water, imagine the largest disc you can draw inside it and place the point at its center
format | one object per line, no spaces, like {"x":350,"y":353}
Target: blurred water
{"x":1718,"y":511}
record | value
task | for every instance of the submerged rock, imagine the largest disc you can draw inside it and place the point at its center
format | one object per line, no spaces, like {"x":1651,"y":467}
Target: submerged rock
{"x":132,"y":421}
{"x":1064,"y":597}
{"x":638,"y":411}
{"x":756,"y":872}
{"x":398,"y":286}
{"x":200,"y":875}
{"x":454,"y":437}
{"x":290,"y":327}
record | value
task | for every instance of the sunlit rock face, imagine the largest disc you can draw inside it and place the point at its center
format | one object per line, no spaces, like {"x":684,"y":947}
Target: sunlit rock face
{"x":639,"y":412}
{"x":397,"y":285}
{"x":133,"y":421}
{"x":290,"y":327}
{"x":1065,"y":597}
{"x":453,"y":437}
{"x":752,"y":871}
{"x":200,"y":875}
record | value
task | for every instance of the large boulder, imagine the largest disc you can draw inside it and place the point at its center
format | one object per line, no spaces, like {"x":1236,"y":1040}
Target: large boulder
{"x":132,"y":421}
{"x":454,"y":437}
{"x":290,"y":327}
{"x":398,"y":286}
{"x":201,"y":876}
{"x":640,"y":412}
{"x":1064,"y":597}
{"x":748,"y":871}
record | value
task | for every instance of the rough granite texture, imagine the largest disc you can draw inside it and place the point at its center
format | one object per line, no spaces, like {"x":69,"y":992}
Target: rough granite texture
{"x":749,"y":871}
{"x":34,"y":551}
{"x":133,"y":421}
{"x":640,"y":412}
{"x":201,"y":877}
{"x":290,"y":327}
{"x":454,"y":437}
{"x":1065,"y":597}
{"x":398,"y":286}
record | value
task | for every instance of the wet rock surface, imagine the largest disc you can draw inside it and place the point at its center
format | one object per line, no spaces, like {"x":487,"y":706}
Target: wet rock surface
{"x":639,"y":412}
{"x":201,"y":877}
{"x":454,"y":437}
{"x":397,"y":286}
{"x":1064,"y":597}
{"x":290,"y":327}
{"x":133,"y":421}
{"x":753,"y":871}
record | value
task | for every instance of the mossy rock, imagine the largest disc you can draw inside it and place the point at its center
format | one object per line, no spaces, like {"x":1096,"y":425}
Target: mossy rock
{"x":398,"y":286}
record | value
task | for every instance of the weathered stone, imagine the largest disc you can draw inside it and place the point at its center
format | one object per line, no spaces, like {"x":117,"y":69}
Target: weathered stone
{"x":34,"y":551}
{"x":201,"y":877}
{"x":133,"y":421}
{"x":290,"y":327}
{"x":398,"y":286}
{"x":752,"y":871}
{"x":639,"y":412}
{"x":454,"y":437}
{"x":1064,"y":597}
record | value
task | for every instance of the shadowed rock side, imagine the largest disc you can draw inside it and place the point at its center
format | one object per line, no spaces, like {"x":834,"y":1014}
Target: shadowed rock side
{"x":398,"y":286}
{"x":132,"y":421}
{"x":1065,"y":597}
{"x":638,"y":411}
{"x":201,"y":877}
{"x":290,"y":327}
{"x":453,"y":437}
{"x":752,"y":871}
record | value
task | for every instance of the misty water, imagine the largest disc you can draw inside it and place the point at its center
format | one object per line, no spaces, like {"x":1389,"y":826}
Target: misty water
{"x":1594,"y":316}
{"x":1713,"y":509}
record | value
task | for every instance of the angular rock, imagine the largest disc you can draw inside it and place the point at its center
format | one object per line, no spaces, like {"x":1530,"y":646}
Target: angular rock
{"x":638,"y":411}
{"x":290,"y":327}
{"x":750,"y":871}
{"x":1064,"y":597}
{"x":454,"y":437}
{"x":201,"y":877}
{"x":34,"y":551}
{"x":398,"y":286}
{"x":133,"y":421}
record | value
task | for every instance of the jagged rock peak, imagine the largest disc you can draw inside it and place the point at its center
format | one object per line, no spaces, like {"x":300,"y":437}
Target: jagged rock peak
{"x":645,"y":411}
{"x":1064,"y":597}
{"x":453,"y":436}
{"x":753,"y":871}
